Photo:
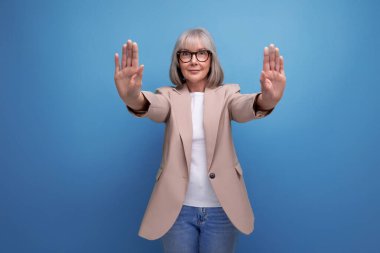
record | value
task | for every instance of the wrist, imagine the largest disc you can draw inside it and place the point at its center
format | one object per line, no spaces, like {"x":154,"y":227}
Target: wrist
{"x":134,"y":102}
{"x":263,"y":104}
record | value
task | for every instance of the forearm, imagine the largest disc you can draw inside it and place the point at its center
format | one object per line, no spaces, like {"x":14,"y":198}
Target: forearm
{"x":139,"y":104}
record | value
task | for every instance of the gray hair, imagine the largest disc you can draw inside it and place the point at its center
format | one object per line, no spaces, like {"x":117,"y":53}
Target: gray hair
{"x":215,"y":76}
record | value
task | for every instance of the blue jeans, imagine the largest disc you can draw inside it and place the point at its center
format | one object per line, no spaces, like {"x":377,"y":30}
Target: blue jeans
{"x":201,"y":230}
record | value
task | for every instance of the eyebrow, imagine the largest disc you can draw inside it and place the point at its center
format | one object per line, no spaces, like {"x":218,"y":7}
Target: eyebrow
{"x":193,"y":51}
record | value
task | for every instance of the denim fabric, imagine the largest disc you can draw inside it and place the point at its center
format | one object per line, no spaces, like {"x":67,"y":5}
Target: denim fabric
{"x":201,"y":230}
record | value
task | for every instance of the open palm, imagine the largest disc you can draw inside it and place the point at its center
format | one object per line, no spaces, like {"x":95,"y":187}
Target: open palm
{"x":128,"y":76}
{"x":272,"y":76}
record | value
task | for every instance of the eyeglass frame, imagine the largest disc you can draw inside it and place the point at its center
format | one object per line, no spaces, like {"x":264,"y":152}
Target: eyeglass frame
{"x":194,"y":53}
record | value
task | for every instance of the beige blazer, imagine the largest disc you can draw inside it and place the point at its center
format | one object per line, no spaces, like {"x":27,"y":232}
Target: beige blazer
{"x":173,"y":107}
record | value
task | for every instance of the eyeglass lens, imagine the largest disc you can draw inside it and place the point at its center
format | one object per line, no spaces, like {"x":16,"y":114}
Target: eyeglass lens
{"x":201,"y":55}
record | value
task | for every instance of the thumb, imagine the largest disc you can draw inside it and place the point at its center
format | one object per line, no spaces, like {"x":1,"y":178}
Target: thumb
{"x":262,"y":77}
{"x":141,"y":70}
{"x":265,"y":82}
{"x":139,"y":75}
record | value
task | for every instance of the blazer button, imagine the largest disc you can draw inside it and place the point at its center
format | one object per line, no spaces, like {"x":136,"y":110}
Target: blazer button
{"x":212,"y":175}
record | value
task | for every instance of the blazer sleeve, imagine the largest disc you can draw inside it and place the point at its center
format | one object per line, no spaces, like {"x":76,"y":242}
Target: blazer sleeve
{"x":159,"y":106}
{"x":243,"y":107}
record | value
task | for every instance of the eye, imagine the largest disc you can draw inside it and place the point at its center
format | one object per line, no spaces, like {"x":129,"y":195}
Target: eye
{"x":203,"y":52}
{"x":185,"y":53}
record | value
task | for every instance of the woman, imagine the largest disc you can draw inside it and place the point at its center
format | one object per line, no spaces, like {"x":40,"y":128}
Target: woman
{"x":199,"y":202}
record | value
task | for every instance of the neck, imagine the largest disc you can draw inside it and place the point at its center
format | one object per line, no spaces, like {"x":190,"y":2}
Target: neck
{"x":197,"y":87}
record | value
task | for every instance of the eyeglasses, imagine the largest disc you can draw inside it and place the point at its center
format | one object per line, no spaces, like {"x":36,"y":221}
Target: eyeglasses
{"x":185,"y":56}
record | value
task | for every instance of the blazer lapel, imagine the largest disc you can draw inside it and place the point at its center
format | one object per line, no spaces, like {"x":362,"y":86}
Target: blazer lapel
{"x":213,"y":106}
{"x":182,"y":109}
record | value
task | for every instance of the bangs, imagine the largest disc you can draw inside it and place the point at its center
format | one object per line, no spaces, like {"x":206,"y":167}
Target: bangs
{"x":193,"y":39}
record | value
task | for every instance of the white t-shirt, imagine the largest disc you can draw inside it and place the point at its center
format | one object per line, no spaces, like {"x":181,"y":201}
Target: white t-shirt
{"x":199,"y":192}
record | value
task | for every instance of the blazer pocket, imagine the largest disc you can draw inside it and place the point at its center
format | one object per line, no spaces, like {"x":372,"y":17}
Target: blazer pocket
{"x":159,"y":172}
{"x":238,"y":169}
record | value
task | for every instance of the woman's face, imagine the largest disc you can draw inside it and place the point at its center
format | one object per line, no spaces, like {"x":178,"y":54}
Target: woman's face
{"x":194,"y":71}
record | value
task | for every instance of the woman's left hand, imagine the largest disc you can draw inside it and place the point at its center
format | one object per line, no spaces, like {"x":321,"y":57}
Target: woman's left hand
{"x":272,"y":78}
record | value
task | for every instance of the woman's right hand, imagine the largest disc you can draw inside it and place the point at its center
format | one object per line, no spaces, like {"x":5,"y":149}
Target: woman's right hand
{"x":128,"y":76}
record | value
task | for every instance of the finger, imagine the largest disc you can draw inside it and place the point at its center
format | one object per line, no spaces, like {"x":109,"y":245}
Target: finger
{"x":277,"y":59}
{"x":266,"y":59}
{"x":124,"y":56}
{"x":129,"y":53}
{"x":135,"y":55}
{"x":272,"y":62}
{"x":117,"y":66}
{"x":282,"y":65}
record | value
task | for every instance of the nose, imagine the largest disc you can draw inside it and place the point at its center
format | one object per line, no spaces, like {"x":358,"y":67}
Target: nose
{"x":193,"y":59}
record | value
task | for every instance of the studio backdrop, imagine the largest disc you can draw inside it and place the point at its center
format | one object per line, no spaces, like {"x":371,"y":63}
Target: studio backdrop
{"x":77,"y":170}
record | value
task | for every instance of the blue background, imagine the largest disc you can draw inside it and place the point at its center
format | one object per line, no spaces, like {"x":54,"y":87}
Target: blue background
{"x":77,"y":170}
